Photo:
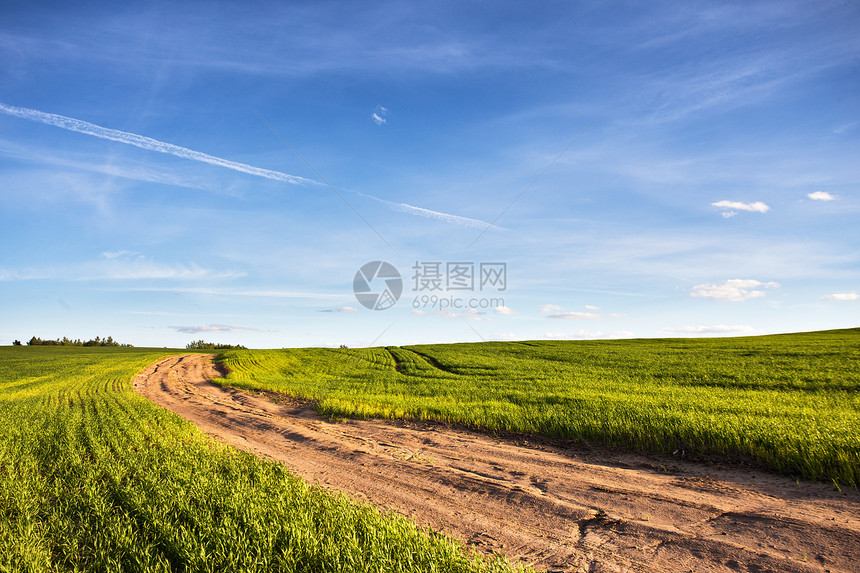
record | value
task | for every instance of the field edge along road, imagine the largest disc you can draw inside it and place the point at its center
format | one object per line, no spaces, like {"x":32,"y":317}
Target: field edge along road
{"x":539,"y":502}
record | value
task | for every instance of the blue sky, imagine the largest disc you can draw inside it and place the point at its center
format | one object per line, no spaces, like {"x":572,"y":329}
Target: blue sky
{"x":176,"y":171}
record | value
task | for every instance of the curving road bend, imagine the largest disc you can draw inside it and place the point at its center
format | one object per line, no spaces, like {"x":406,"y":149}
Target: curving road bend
{"x":537,"y":501}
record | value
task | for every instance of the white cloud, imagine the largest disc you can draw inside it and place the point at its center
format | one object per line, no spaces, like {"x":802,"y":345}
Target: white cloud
{"x":444,"y":313}
{"x":341,"y":309}
{"x":504,"y":310}
{"x":821,"y":196}
{"x":734,"y":290}
{"x":729,"y":206}
{"x":117,"y":254}
{"x":580,"y":334}
{"x":143,"y":142}
{"x":549,"y":307}
{"x":430,"y":214}
{"x":592,"y":307}
{"x":137,"y":269}
{"x":379,"y":115}
{"x":617,"y":315}
{"x":715,"y":329}
{"x":28,"y":275}
{"x":231,"y":292}
{"x":843,"y":296}
{"x":211,"y":328}
{"x":505,"y":336}
{"x":575,"y":315}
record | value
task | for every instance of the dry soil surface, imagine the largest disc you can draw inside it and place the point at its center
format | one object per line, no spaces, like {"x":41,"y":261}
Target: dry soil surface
{"x":538,"y":501}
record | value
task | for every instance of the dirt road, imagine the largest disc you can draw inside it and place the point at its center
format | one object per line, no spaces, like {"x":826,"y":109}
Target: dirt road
{"x":535,"y":500}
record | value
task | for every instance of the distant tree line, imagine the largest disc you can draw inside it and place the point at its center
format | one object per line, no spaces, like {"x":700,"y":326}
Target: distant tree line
{"x":65,"y":341}
{"x":203,"y":345}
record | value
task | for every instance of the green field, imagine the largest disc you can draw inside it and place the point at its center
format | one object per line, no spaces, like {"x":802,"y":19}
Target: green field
{"x":95,"y":478}
{"x":790,"y":402}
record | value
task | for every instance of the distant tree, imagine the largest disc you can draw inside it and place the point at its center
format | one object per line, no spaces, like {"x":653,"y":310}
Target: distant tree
{"x":16,"y":343}
{"x":66,"y":341}
{"x":203,"y":345}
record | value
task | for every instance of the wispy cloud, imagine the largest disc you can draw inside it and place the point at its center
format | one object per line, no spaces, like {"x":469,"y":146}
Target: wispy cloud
{"x":841,"y":296}
{"x":504,"y":310}
{"x":750,"y":72}
{"x":380,"y":115}
{"x":578,"y":335}
{"x":821,"y":196}
{"x":143,"y":142}
{"x":100,"y":165}
{"x":117,"y":254}
{"x":729,"y":207}
{"x":121,"y":266}
{"x":340,"y":309}
{"x":575,"y":316}
{"x":23,"y":275}
{"x":148,"y":143}
{"x":734,"y":290}
{"x":549,"y":307}
{"x":430,"y":214}
{"x":140,"y":268}
{"x":715,"y":329}
{"x":211,"y":328}
{"x":845,"y":127}
{"x":236,"y":292}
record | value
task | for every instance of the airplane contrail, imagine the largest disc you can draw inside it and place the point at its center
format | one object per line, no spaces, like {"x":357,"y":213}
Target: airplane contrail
{"x":430,"y":214}
{"x":72,"y":124}
{"x":143,"y":142}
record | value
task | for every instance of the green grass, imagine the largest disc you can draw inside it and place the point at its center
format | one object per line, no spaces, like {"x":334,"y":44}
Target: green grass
{"x":95,"y":478}
{"x":790,"y":402}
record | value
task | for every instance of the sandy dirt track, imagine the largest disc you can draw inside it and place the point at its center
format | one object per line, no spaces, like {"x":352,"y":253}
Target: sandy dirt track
{"x":543,"y":502}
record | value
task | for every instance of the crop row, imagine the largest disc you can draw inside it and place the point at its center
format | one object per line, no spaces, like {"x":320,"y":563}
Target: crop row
{"x":94,"y":477}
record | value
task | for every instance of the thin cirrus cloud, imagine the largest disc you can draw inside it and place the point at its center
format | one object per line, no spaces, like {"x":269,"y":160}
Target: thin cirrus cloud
{"x":340,"y":309}
{"x":380,"y":115}
{"x":821,"y":196}
{"x":841,"y":296}
{"x":143,"y":142}
{"x":430,"y":214}
{"x":212,"y":328}
{"x":579,"y":335}
{"x":715,"y":329}
{"x":575,"y":316}
{"x":118,"y":266}
{"x":733,"y":290}
{"x":117,"y":254}
{"x":731,"y":208}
